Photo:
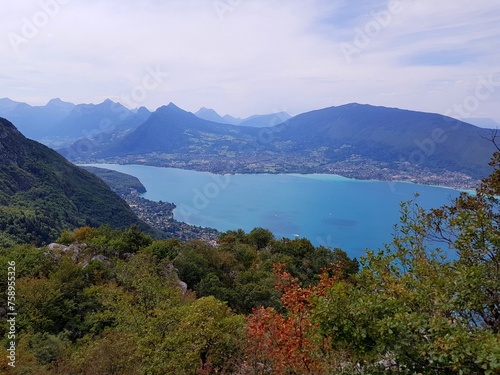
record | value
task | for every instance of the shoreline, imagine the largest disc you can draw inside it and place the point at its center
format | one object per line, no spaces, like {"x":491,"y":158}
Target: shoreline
{"x":335,"y":177}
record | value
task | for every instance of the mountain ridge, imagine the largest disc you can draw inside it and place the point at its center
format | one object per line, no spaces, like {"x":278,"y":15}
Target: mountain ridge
{"x":62,"y":123}
{"x":258,"y":121}
{"x":392,"y":135}
{"x":353,"y":140}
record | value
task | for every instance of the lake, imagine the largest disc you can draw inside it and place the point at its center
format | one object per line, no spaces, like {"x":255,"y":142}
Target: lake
{"x":327,"y":209}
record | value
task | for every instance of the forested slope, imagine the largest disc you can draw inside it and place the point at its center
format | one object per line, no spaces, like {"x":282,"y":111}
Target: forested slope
{"x":41,"y":193}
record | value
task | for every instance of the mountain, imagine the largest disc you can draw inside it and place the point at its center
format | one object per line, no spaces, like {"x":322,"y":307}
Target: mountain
{"x":210,"y":115}
{"x":171,"y":129}
{"x":262,"y":121}
{"x":57,"y":104}
{"x":41,"y":193}
{"x":7,"y":104}
{"x":108,"y":117}
{"x":257,"y":121}
{"x":389,"y":135}
{"x":35,"y":121}
{"x":60,"y":123}
{"x":354,"y":140}
{"x":228,"y":119}
{"x":120,"y":183}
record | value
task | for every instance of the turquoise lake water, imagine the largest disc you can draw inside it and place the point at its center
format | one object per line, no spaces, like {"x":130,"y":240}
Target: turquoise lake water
{"x":329,"y":210}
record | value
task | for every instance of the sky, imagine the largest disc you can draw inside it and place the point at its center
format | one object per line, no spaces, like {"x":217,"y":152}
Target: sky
{"x":246,"y":57}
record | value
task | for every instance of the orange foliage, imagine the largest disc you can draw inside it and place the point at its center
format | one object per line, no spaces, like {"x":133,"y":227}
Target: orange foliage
{"x":288,"y":343}
{"x":82,"y":233}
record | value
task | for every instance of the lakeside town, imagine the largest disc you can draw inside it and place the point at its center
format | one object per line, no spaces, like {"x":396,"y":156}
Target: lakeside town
{"x":356,"y":167}
{"x":160,"y":215}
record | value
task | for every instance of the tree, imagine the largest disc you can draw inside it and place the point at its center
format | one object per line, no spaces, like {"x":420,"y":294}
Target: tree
{"x":418,"y":308}
{"x":414,"y":307}
{"x":114,"y":352}
{"x":289,"y":343}
{"x":165,"y":249}
{"x":260,"y":237}
{"x":471,"y":226}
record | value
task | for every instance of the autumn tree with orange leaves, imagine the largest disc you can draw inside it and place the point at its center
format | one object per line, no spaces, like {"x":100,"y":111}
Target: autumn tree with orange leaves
{"x":288,"y":342}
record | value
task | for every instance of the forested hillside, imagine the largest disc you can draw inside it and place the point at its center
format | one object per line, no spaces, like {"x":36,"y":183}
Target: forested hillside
{"x":42,"y":193}
{"x":121,"y":183}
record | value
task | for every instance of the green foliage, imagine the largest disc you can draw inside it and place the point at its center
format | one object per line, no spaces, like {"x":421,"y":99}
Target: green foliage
{"x":118,"y":291}
{"x":165,"y":249}
{"x":29,"y":260}
{"x":46,"y":347}
{"x":121,"y":183}
{"x":107,"y":241}
{"x":114,"y":352}
{"x":239,"y":270}
{"x":42,"y":194}
{"x":66,"y":238}
{"x":207,"y":337}
{"x":413,"y":308}
{"x":260,"y":237}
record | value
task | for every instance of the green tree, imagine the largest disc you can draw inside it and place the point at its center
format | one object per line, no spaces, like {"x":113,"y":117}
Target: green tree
{"x":414,"y":308}
{"x":260,"y":237}
{"x":165,"y":249}
{"x":207,"y":340}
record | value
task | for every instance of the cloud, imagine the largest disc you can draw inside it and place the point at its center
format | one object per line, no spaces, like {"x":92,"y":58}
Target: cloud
{"x":253,"y":56}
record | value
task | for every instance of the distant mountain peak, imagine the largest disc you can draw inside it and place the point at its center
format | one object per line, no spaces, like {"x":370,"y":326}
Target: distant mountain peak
{"x":7,"y":104}
{"x":257,"y":121}
{"x":210,"y":115}
{"x":58,"y":103}
{"x":108,"y":102}
{"x":54,"y":101}
{"x":142,"y":109}
{"x":172,"y":105}
{"x":204,"y":110}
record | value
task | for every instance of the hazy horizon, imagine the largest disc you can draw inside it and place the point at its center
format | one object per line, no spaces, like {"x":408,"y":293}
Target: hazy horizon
{"x":245,"y":57}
